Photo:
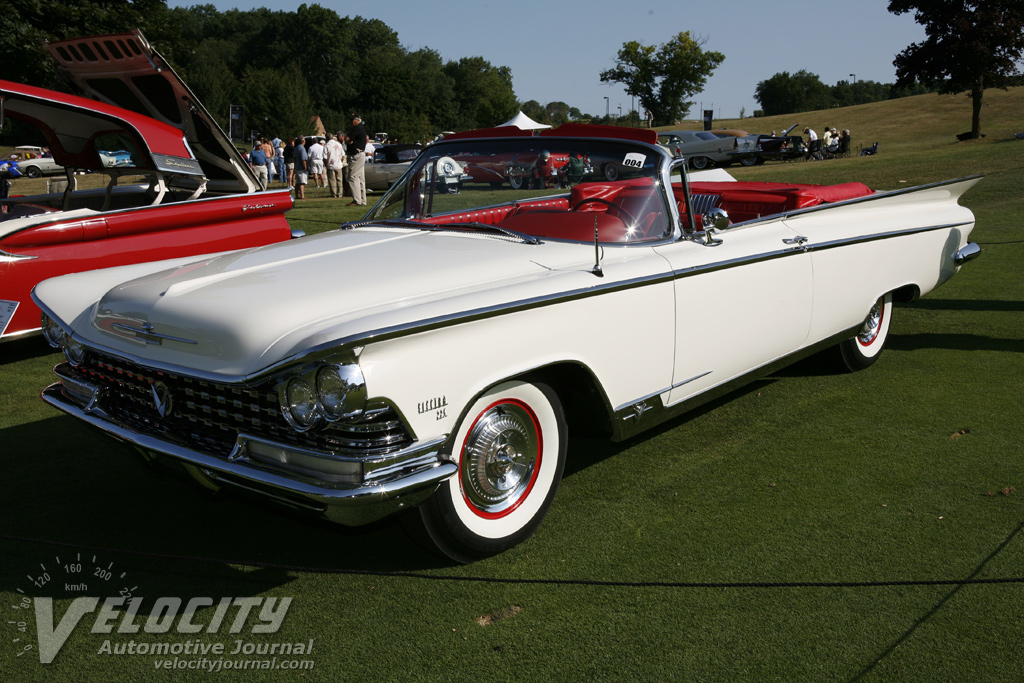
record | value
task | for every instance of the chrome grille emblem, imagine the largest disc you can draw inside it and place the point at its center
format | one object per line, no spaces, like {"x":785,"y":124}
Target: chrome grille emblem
{"x":147,"y":334}
{"x":161,"y":398}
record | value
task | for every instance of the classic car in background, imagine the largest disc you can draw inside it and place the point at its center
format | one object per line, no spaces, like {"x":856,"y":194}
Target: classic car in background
{"x":121,"y":157}
{"x":176,"y":186}
{"x":388,"y":164}
{"x":783,"y":147}
{"x":705,"y":149}
{"x":430,"y":357}
{"x":33,"y":161}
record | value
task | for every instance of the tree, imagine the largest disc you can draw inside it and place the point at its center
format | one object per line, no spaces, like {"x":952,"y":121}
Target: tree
{"x":970,"y":46}
{"x":788,"y":94}
{"x":25,"y":24}
{"x":484,"y":94}
{"x":661,"y":78}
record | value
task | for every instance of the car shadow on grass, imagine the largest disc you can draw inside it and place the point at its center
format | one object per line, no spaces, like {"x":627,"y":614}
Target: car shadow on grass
{"x":69,"y":486}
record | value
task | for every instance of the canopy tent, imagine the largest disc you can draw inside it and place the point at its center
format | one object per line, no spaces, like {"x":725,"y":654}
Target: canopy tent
{"x":524,"y":122}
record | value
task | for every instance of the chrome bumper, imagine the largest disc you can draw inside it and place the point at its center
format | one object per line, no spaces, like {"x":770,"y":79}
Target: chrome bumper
{"x":344,"y":503}
{"x":969,"y":252}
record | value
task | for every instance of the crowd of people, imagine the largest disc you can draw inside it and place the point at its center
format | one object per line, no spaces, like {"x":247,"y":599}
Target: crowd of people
{"x":830,"y":145}
{"x":334,"y":161}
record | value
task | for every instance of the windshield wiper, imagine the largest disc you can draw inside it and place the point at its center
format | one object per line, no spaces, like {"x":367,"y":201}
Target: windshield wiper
{"x":495,"y":230}
{"x":487,"y":227}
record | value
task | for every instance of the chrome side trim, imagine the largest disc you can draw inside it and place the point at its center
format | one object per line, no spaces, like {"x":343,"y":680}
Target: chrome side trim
{"x":862,"y":200}
{"x":14,"y":258}
{"x":344,"y":503}
{"x":484,"y":313}
{"x":880,"y":236}
{"x":638,"y":416}
{"x":630,"y":406}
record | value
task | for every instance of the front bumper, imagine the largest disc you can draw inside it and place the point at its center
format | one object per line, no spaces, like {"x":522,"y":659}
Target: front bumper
{"x":422,"y":470}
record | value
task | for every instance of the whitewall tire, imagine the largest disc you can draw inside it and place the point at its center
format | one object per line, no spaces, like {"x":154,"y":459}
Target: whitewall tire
{"x":510,"y":448}
{"x":863,"y":349}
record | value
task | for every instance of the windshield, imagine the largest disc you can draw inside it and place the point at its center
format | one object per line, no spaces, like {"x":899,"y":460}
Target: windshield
{"x":553,"y":188}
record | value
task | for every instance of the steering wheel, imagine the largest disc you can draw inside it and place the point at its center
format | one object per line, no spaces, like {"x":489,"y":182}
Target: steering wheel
{"x":612,"y":205}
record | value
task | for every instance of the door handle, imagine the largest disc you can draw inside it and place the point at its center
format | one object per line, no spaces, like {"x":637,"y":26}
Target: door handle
{"x":794,"y":240}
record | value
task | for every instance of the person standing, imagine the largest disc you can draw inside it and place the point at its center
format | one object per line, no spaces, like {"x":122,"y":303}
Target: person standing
{"x":301,"y":169}
{"x":289,"y":162}
{"x":279,"y":162}
{"x":357,"y":140}
{"x":258,"y":163}
{"x":268,"y":150}
{"x":316,"y":163}
{"x":334,"y":158}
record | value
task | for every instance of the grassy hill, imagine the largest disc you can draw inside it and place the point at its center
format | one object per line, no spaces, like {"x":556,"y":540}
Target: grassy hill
{"x":916,"y":136}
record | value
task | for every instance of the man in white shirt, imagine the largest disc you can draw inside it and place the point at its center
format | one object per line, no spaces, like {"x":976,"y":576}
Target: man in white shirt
{"x":334,"y":159}
{"x":316,"y":163}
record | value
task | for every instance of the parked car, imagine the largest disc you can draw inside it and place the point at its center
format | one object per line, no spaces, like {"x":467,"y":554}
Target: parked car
{"x":34,"y":162}
{"x":120,"y":157}
{"x":705,"y":149}
{"x":783,"y":147}
{"x":429,"y":358}
{"x":176,"y":185}
{"x":388,"y":164}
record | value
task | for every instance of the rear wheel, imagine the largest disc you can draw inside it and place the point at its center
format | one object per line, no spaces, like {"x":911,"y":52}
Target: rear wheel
{"x":510,"y":450}
{"x":749,"y":161}
{"x":864,"y":349}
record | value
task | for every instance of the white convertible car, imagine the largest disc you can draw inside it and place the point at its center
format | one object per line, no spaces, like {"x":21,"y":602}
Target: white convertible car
{"x":432,"y":356}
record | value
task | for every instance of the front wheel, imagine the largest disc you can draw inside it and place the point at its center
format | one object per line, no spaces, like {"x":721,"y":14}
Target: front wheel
{"x":700,"y":163}
{"x":864,"y":349}
{"x":510,"y":449}
{"x":33,"y":172}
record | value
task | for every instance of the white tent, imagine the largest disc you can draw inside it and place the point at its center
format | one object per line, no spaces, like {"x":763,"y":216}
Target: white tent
{"x":524,"y":122}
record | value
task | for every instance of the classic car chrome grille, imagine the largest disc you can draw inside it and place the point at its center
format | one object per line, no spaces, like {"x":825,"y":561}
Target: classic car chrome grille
{"x":209,"y":416}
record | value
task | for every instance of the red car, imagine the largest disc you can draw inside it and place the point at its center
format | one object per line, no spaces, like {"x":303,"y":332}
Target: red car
{"x":179,"y":187}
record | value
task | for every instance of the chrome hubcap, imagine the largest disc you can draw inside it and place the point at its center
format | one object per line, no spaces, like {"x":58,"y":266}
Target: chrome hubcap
{"x":873,"y":323}
{"x":501,"y":454}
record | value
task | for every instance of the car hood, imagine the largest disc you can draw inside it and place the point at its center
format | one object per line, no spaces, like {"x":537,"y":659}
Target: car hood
{"x":124,"y":70}
{"x":237,"y":314}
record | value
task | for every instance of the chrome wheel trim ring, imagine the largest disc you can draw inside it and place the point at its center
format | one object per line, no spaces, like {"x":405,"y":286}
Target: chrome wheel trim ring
{"x":873,"y":324}
{"x":500,"y":459}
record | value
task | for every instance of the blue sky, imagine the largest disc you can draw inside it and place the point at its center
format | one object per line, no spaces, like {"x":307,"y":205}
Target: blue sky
{"x":557,"y":49}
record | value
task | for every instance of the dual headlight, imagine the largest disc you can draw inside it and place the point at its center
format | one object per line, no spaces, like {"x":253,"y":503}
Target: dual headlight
{"x":59,"y":339}
{"x":327,"y":393}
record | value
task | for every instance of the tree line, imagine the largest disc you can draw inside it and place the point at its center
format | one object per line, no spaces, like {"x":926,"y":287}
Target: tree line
{"x":283,"y":67}
{"x":786,"y":93}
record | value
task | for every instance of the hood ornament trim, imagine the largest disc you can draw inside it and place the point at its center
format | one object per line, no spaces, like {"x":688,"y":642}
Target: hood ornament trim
{"x":146,"y":334}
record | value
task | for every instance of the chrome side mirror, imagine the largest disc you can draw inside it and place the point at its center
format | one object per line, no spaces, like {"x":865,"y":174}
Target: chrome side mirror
{"x":717,"y":219}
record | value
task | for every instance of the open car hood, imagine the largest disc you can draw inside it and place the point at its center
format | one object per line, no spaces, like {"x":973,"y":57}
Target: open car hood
{"x":124,"y":70}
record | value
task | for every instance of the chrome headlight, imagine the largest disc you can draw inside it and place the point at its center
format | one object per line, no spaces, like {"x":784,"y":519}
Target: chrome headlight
{"x":300,"y":404}
{"x":341,"y":391}
{"x":323,"y":393}
{"x":53,"y":332}
{"x":73,"y":351}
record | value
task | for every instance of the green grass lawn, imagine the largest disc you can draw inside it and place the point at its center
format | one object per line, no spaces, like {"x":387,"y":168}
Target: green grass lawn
{"x":812,"y":526}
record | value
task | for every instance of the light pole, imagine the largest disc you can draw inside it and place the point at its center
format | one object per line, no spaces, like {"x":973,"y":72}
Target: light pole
{"x":607,"y":111}
{"x":854,"y":77}
{"x":620,"y":111}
